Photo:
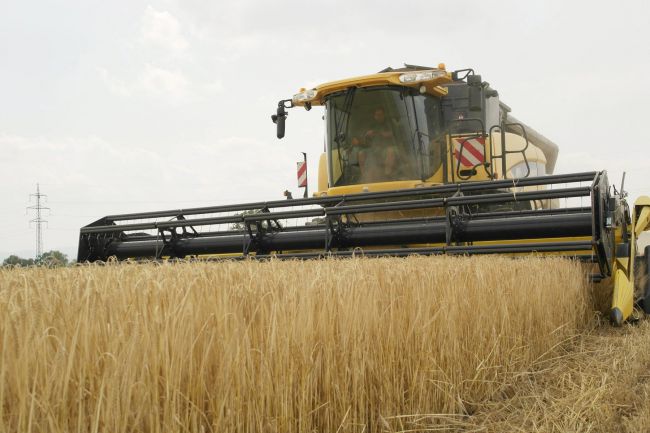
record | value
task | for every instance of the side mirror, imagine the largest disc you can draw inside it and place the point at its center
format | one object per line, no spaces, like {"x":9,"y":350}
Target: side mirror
{"x":279,"y":118}
{"x":475,"y":92}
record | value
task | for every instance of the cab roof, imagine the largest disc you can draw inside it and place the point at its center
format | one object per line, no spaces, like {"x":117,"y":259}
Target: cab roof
{"x":405,"y":77}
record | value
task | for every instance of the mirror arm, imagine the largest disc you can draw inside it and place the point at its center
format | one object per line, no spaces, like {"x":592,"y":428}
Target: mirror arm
{"x":281,"y":114}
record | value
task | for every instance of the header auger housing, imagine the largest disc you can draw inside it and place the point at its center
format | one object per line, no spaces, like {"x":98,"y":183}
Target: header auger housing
{"x":470,"y":220}
{"x":417,"y":161}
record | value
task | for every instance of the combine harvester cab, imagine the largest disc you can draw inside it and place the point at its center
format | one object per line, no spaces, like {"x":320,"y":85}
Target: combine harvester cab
{"x":418,"y":161}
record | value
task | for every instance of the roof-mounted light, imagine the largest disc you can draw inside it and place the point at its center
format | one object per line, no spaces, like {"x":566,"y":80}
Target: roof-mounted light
{"x":305,"y":95}
{"x":416,"y":77}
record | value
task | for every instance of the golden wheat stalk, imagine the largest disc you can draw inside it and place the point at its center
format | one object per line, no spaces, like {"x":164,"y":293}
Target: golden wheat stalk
{"x":335,"y":345}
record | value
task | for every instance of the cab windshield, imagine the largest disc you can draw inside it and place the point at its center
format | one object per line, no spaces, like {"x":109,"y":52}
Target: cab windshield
{"x":381,"y":134}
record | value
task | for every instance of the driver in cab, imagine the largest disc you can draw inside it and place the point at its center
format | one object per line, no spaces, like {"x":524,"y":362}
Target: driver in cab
{"x":377,"y":154}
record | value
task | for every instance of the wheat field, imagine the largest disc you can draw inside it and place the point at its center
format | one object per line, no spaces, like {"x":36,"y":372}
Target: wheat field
{"x":353,"y":345}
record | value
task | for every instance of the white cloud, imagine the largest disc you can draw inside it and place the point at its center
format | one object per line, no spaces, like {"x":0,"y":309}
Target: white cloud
{"x":162,"y":29}
{"x":114,"y":84}
{"x":216,"y":86}
{"x":162,"y":67}
{"x":170,"y":85}
{"x":164,"y":82}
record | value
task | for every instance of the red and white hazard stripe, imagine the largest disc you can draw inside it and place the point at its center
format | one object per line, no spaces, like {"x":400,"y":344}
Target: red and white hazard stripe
{"x":302,"y":174}
{"x":473,"y":151}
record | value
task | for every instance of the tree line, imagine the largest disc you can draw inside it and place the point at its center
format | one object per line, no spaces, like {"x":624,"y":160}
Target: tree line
{"x":51,"y":258}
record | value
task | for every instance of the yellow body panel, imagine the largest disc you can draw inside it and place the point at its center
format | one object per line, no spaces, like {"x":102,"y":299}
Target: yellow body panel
{"x":642,"y":221}
{"x":376,"y":187}
{"x":624,"y":267}
{"x":623,"y":294}
{"x":322,"y":174}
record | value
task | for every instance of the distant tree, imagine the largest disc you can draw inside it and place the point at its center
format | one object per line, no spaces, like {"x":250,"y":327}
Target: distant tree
{"x":240,"y":226}
{"x":53,"y":258}
{"x":50,"y":258}
{"x":14,"y":260}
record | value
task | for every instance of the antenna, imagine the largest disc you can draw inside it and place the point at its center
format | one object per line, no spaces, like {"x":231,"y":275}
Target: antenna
{"x":38,"y":208}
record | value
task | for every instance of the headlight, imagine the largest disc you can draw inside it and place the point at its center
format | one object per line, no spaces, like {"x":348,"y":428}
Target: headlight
{"x":414,"y":77}
{"x":306,"y":95}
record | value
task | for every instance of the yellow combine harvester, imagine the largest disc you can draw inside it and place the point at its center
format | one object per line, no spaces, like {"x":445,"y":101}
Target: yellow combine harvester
{"x":418,"y":160}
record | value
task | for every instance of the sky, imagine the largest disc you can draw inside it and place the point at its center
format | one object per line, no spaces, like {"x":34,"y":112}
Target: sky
{"x":132,"y":105}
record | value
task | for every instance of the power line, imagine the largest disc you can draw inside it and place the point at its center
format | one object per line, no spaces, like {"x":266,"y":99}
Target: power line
{"x":38,"y":220}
